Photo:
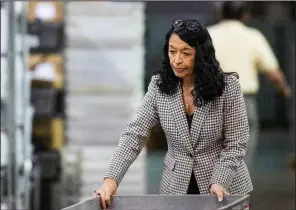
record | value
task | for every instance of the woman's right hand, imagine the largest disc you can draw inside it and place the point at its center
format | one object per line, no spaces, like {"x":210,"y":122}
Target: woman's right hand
{"x":107,"y":190}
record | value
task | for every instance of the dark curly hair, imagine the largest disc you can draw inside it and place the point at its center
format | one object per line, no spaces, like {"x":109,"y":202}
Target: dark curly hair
{"x":209,"y":77}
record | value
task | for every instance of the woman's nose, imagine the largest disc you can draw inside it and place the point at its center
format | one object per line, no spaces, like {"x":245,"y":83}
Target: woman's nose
{"x":178,"y":59}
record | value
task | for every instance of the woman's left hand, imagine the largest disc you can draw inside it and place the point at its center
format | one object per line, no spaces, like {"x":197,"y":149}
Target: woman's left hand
{"x":219,"y":191}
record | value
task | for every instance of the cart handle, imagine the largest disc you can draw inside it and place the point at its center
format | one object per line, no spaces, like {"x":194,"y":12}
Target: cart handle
{"x":234,"y":203}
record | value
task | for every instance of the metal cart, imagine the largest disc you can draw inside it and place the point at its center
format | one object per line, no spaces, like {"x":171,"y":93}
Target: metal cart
{"x":165,"y":202}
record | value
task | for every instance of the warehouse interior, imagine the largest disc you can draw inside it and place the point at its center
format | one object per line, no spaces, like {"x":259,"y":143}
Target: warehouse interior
{"x":73,"y":75}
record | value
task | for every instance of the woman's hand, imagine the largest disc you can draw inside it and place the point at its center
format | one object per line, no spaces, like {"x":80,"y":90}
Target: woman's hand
{"x":108,"y":189}
{"x":219,"y":191}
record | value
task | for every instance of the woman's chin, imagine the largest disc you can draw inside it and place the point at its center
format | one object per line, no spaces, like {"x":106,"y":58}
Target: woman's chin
{"x":180,"y":75}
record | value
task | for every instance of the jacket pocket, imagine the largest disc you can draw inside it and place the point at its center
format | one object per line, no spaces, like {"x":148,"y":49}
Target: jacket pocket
{"x":169,"y":162}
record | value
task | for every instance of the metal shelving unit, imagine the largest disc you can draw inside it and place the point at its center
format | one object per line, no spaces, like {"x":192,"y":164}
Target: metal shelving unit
{"x":28,"y":173}
{"x":15,"y":106}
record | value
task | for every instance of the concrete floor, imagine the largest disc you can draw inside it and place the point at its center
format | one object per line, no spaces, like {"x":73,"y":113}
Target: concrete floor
{"x":273,"y":180}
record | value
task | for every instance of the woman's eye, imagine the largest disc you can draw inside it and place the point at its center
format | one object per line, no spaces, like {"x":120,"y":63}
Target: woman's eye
{"x":172,"y":52}
{"x":186,"y":54}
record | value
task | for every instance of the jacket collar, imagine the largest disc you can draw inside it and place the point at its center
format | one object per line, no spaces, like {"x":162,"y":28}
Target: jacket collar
{"x":189,"y":139}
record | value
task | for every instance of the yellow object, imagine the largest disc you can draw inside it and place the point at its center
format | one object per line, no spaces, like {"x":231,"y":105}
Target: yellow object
{"x":46,"y":11}
{"x":57,"y":130}
{"x":51,"y":131}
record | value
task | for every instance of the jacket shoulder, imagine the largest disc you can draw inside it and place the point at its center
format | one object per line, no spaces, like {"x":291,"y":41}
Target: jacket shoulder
{"x":153,"y":85}
{"x":232,"y":84}
{"x":155,"y":79}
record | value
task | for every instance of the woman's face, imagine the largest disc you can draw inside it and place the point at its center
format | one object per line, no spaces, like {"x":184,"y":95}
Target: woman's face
{"x":182,"y":57}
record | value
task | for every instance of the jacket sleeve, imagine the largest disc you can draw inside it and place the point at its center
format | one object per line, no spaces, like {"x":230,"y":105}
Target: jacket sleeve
{"x":135,"y":136}
{"x":236,"y":135}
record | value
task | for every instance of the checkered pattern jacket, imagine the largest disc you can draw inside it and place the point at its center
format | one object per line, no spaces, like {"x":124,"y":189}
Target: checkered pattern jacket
{"x":213,"y":148}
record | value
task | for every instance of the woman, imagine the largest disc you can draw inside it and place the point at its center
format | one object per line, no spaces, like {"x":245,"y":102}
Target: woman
{"x":202,"y":112}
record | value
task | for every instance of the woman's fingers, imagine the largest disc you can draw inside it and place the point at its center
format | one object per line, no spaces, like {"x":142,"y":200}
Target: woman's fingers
{"x":102,"y":195}
{"x":105,"y":192}
{"x":219,"y":191}
{"x":95,"y":194}
{"x":108,"y":199}
{"x":108,"y":194}
{"x":219,"y":194}
{"x":103,"y":200}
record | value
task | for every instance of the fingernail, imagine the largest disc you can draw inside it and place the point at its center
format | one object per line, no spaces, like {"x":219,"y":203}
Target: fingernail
{"x":220,"y":199}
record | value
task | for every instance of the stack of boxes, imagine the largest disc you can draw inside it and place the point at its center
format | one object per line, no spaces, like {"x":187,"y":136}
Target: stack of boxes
{"x":46,"y":66}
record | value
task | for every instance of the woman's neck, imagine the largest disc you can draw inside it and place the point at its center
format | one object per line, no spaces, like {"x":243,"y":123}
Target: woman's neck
{"x":188,"y":83}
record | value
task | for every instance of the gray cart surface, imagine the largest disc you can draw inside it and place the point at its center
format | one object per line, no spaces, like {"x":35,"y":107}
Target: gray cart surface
{"x":167,"y":202}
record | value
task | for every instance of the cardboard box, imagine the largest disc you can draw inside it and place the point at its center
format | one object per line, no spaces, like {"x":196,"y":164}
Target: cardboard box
{"x":47,"y":68}
{"x":50,"y":131}
{"x":46,"y":11}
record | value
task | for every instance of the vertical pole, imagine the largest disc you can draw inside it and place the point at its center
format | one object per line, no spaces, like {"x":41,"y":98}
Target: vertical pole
{"x":26,"y":105}
{"x":11,"y":127}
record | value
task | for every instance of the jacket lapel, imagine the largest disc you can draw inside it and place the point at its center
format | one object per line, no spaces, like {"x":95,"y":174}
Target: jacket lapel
{"x":199,"y":117}
{"x":179,"y":116}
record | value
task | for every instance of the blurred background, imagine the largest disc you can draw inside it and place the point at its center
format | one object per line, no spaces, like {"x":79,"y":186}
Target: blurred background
{"x":73,"y":75}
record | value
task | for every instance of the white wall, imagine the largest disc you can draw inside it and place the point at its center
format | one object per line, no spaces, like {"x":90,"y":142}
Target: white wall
{"x":105,"y":65}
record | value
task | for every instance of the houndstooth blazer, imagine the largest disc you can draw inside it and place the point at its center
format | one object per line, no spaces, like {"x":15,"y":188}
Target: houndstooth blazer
{"x":213,"y":148}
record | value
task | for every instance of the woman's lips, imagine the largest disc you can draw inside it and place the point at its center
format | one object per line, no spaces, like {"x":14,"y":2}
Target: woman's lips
{"x":179,"y":70}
